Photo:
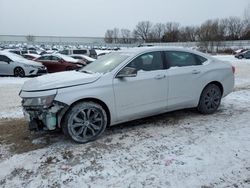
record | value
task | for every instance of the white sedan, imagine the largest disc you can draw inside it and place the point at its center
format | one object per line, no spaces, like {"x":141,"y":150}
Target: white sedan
{"x":14,"y":65}
{"x":124,"y":86}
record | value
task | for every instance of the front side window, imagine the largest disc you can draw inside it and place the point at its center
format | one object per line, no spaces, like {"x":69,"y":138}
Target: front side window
{"x":147,"y":62}
{"x":79,"y":51}
{"x":181,"y":59}
{"x":65,"y":52}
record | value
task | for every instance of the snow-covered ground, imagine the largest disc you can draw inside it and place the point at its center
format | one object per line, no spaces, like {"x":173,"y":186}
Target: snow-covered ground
{"x":178,"y":149}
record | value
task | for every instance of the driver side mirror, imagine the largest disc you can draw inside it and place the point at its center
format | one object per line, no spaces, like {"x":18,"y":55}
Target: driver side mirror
{"x":127,"y":72}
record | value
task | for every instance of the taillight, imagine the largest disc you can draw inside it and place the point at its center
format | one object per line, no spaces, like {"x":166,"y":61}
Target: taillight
{"x":233,"y":69}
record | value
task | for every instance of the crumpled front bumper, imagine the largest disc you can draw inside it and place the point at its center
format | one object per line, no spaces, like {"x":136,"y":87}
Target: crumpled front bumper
{"x":44,"y":118}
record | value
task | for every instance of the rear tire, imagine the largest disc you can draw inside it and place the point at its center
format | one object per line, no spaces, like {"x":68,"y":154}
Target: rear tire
{"x":85,"y":122}
{"x":210,"y":99}
{"x":19,"y":72}
{"x":69,"y":68}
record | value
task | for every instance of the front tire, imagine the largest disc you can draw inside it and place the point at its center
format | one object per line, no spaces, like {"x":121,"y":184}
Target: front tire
{"x":210,"y":99}
{"x":19,"y":72}
{"x":85,"y":122}
{"x":240,"y":57}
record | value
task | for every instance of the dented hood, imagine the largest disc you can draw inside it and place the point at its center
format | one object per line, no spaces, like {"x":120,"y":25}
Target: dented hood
{"x":59,"y":80}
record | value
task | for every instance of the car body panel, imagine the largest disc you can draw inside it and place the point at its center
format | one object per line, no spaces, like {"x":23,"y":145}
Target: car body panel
{"x":148,"y":93}
{"x":56,"y":63}
{"x":55,"y":81}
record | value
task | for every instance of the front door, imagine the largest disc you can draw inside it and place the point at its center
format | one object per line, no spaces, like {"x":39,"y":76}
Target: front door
{"x":145,"y":93}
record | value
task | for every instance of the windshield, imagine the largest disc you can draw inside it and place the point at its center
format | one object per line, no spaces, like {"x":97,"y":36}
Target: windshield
{"x":15,"y":57}
{"x":105,"y":63}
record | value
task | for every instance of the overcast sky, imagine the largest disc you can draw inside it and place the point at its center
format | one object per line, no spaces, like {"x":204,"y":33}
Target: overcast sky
{"x":94,"y":17}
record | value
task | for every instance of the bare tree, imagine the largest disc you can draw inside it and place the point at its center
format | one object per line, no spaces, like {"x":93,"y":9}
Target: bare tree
{"x":125,"y":36}
{"x":109,"y":36}
{"x":188,"y":34}
{"x":235,"y":28}
{"x":208,"y":35}
{"x":158,"y":31}
{"x":142,"y":30}
{"x":116,"y":32}
{"x":30,"y":38}
{"x":172,"y":32}
{"x":247,"y":15}
{"x":246,"y":34}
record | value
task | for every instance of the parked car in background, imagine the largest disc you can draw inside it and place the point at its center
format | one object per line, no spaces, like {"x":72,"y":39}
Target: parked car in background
{"x":123,"y":86}
{"x":244,"y":54}
{"x":21,"y":52}
{"x":84,"y":58}
{"x":14,"y":65}
{"x":59,"y":62}
{"x":31,"y":56}
{"x":89,"y":52}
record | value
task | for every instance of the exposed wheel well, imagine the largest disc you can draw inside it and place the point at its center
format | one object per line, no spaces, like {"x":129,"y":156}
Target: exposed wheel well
{"x":16,"y":68}
{"x":218,"y":84}
{"x":105,"y":107}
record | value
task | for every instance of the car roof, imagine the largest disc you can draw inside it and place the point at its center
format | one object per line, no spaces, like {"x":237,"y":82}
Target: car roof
{"x":138,"y":50}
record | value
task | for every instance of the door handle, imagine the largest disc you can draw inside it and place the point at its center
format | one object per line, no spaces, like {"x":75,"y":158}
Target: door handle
{"x":196,"y":72}
{"x":160,"y":76}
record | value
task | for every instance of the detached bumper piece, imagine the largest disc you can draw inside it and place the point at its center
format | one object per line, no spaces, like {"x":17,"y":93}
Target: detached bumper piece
{"x":43,"y":118}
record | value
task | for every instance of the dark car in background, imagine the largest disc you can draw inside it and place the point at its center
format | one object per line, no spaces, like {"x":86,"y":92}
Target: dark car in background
{"x":245,"y":54}
{"x":59,"y":62}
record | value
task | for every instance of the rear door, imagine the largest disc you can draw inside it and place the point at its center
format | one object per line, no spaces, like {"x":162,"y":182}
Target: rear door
{"x":57,"y":64}
{"x":184,"y":74}
{"x":47,"y":62}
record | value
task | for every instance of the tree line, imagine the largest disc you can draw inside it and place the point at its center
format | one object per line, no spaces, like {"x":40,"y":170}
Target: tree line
{"x":231,"y":28}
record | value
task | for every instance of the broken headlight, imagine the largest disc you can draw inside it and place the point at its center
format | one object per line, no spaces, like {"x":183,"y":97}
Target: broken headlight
{"x":44,"y":102}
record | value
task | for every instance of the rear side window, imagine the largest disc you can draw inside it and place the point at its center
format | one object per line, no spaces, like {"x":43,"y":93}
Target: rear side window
{"x":76,"y":57}
{"x":16,"y":52}
{"x":79,"y":51}
{"x":24,"y":52}
{"x":92,"y":52}
{"x":33,"y":52}
{"x":44,"y":58}
{"x":65,"y":52}
{"x":181,"y":59}
{"x":4,"y":58}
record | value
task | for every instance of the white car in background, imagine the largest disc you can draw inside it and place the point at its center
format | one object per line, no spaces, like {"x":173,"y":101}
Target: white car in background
{"x":14,"y":65}
{"x":123,"y":86}
{"x":84,"y":58}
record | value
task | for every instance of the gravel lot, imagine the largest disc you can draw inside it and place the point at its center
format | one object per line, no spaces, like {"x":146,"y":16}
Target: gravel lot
{"x":177,"y":149}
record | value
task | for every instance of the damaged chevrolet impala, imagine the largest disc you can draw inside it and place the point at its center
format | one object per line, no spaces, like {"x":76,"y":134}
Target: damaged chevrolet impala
{"x":124,"y":86}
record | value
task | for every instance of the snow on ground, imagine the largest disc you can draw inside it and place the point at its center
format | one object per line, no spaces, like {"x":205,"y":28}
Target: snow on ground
{"x":177,"y":149}
{"x":10,"y":102}
{"x":12,"y":80}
